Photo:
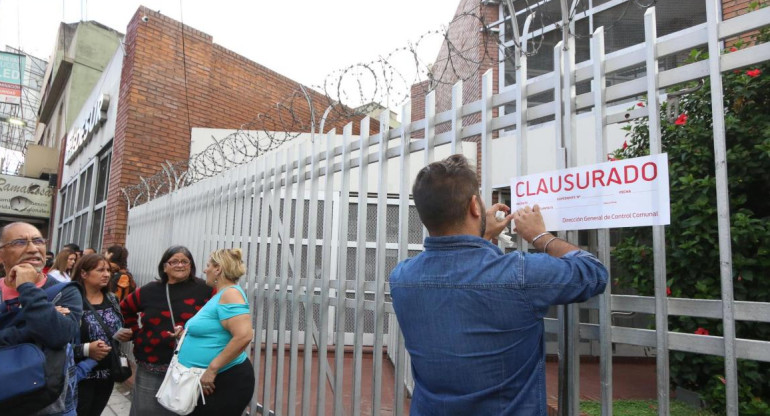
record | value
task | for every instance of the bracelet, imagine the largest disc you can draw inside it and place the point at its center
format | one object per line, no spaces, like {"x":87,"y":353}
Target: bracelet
{"x":545,"y":247}
{"x":536,"y":237}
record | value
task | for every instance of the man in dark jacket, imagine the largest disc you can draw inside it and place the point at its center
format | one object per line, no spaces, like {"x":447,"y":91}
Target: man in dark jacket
{"x":52,"y":324}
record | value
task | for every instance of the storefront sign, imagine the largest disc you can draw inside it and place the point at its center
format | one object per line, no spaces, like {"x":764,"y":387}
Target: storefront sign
{"x":84,"y":129}
{"x":11,"y":71}
{"x":25,"y":197}
{"x":623,"y":193}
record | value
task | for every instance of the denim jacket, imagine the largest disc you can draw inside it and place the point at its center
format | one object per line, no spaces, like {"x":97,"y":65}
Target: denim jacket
{"x":472,"y":319}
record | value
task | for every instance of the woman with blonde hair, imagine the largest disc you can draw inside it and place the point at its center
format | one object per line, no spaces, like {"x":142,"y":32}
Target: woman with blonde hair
{"x":62,"y":265}
{"x":217,"y":336}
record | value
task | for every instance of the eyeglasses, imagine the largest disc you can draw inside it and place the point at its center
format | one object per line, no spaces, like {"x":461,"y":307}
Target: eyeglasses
{"x":174,"y":263}
{"x":22,"y":242}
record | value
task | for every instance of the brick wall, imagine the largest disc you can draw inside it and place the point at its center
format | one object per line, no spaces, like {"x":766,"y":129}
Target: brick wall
{"x":733,"y":8}
{"x":473,"y":53}
{"x":222,"y":90}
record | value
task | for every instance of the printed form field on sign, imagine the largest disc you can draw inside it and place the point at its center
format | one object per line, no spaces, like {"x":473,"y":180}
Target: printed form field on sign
{"x":622,"y":193}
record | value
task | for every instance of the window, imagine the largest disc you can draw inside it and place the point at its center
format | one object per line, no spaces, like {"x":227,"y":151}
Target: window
{"x":83,"y":202}
{"x":623,"y":21}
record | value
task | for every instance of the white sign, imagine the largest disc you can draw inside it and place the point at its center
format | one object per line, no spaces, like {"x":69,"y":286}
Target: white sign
{"x":622,"y":193}
{"x":84,"y":129}
{"x":25,"y":197}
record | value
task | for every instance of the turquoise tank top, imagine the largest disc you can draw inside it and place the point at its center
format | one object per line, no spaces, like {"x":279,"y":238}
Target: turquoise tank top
{"x":206,"y":337}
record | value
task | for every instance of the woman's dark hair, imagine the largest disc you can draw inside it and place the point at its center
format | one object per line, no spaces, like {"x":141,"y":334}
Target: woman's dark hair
{"x":168,"y":254}
{"x":119,"y":256}
{"x":86,"y":264}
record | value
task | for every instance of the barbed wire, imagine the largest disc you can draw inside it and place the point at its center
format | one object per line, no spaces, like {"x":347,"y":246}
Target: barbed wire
{"x":353,"y":92}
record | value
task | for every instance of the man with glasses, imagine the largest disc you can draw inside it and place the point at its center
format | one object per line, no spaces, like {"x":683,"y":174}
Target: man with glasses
{"x":52,"y":324}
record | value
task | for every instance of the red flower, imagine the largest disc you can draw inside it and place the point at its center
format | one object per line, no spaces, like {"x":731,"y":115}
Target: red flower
{"x":640,"y":104}
{"x":753,"y":73}
{"x":722,"y":379}
{"x":701,"y":331}
{"x":733,"y":49}
{"x":668,"y":291}
{"x":682,"y":120}
{"x":625,"y":145}
{"x":612,"y":159}
{"x":740,"y":278}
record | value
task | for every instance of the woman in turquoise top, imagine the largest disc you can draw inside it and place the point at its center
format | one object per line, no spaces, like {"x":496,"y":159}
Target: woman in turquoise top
{"x":217,"y":337}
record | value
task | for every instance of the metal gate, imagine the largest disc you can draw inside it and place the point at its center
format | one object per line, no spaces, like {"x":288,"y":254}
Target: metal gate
{"x":333,"y":253}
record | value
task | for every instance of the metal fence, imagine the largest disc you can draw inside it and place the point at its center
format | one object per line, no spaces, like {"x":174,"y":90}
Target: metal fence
{"x":314,"y":247}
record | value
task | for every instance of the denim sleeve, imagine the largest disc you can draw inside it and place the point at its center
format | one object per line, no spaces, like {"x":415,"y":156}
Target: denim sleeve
{"x":574,"y":277}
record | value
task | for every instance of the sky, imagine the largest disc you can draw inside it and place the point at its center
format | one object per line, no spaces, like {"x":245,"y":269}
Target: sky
{"x":302,"y":39}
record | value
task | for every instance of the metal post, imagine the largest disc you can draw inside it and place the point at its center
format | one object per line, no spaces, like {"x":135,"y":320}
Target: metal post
{"x":713,"y":8}
{"x":658,"y":232}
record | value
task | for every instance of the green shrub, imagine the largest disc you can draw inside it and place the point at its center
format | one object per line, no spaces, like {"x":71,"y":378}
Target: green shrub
{"x":692,"y":248}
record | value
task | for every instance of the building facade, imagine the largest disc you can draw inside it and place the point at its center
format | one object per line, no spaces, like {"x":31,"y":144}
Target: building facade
{"x":166,"y":79}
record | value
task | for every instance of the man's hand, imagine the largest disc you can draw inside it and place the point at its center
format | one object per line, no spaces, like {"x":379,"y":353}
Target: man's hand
{"x":20,"y":274}
{"x":529,"y":222}
{"x":62,"y":310}
{"x":495,"y":227}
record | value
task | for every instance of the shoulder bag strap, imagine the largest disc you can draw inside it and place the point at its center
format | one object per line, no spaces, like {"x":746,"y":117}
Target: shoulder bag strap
{"x":171,"y":311}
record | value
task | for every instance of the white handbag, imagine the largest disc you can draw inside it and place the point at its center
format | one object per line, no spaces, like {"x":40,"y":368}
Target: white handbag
{"x":181,"y":386}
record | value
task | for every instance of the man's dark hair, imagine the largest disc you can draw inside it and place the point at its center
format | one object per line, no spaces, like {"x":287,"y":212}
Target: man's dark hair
{"x":167,"y":255}
{"x":86,"y":264}
{"x":442,"y":192}
{"x":119,"y":255}
{"x":73,"y":247}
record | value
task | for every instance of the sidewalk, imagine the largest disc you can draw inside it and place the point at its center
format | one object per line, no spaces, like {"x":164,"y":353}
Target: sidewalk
{"x":632,"y":379}
{"x":120,"y":402}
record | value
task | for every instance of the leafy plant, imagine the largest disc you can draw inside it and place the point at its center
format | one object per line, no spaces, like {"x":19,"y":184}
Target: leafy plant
{"x":692,"y":247}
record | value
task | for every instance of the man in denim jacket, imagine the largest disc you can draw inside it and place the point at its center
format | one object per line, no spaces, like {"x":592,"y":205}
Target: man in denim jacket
{"x":472,"y":317}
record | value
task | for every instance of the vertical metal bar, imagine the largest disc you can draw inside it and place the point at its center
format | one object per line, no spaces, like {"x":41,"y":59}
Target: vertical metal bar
{"x":341,"y":289}
{"x":713,"y":8}
{"x":658,"y":232}
{"x":312,"y":243}
{"x":457,"y":117}
{"x":299,"y":222}
{"x":259,"y":282}
{"x":599,"y":89}
{"x":326,"y":256}
{"x":521,"y":128}
{"x":403,"y":228}
{"x":380,"y":256}
{"x":487,"y":89}
{"x":430,"y":135}
{"x":284,"y":282}
{"x":569,"y":380}
{"x":561,"y":163}
{"x":251,"y":282}
{"x":363,"y":183}
{"x":240,"y":207}
{"x":270,"y":295}
{"x":224,"y":189}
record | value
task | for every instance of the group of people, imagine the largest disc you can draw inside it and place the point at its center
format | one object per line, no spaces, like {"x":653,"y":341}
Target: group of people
{"x":92,"y":314}
{"x":471,"y":315}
